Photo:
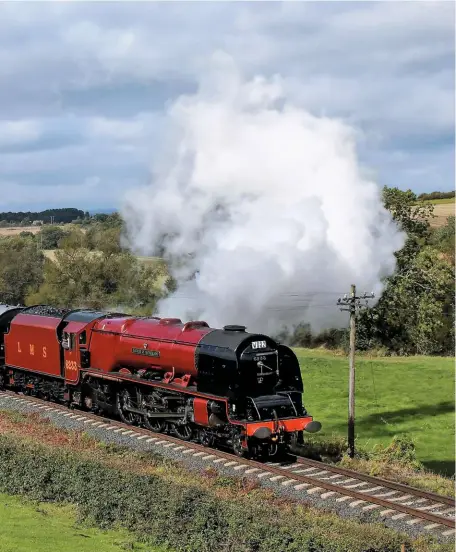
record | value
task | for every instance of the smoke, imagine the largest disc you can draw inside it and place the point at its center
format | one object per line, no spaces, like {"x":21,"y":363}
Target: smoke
{"x":261,"y":208}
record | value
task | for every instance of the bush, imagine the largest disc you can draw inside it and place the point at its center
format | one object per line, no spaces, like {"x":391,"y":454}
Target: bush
{"x":302,"y":336}
{"x":401,"y":450}
{"x":50,"y":236}
{"x":183,"y":516}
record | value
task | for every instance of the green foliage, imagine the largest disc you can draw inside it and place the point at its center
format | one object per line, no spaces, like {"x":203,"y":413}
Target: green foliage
{"x":50,"y":236}
{"x":302,"y":336}
{"x":184,"y":516}
{"x":112,"y":220}
{"x":401,"y":450}
{"x":27,"y":235}
{"x":103,"y":277}
{"x":412,"y":218}
{"x":443,"y":239}
{"x":415,"y":314}
{"x":21,"y":269}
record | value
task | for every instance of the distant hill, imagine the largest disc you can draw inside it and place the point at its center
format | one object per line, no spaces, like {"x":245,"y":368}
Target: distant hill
{"x":66,"y":214}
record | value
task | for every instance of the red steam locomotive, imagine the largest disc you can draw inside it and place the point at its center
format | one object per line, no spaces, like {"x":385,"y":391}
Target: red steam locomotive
{"x":220,"y":386}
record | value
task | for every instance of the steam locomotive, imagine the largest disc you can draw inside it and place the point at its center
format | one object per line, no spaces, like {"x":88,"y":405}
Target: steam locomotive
{"x":222,"y":387}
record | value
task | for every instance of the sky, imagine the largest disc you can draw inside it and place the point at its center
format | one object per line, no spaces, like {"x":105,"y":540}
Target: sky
{"x":85,"y":87}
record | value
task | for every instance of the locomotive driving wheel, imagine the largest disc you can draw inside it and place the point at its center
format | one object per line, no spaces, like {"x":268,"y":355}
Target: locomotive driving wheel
{"x":154,"y":424}
{"x":184,"y":431}
{"x":237,"y":446}
{"x":124,"y":401}
{"x":205,"y":438}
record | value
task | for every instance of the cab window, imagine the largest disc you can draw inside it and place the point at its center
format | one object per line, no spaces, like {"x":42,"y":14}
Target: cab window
{"x":82,"y":338}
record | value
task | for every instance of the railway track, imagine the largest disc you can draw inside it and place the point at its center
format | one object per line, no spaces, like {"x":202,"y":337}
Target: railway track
{"x":361,"y":492}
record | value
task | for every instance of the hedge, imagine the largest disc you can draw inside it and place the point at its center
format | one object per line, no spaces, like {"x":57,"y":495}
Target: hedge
{"x":181,"y":517}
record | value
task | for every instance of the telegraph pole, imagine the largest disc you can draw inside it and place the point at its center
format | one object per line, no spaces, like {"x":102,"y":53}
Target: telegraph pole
{"x":354,"y":304}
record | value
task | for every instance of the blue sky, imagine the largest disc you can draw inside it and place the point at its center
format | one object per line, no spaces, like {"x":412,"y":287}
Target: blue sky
{"x":84,"y":86}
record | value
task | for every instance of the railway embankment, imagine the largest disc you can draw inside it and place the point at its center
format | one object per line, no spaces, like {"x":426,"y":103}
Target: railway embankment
{"x":163,"y":503}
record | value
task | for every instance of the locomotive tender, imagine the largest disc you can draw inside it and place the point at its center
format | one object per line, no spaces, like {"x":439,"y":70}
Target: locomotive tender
{"x":220,"y":386}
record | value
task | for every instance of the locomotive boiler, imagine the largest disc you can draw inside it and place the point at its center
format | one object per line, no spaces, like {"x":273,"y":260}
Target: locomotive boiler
{"x":220,"y":386}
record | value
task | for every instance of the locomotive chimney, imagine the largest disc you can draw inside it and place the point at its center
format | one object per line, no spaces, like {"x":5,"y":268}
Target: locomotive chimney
{"x":234,"y":328}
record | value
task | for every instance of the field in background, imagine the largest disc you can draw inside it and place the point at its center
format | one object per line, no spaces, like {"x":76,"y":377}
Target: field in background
{"x":443,"y":208}
{"x":411,"y":396}
{"x":44,"y":527}
{"x":16,"y":230}
{"x":50,"y":254}
{"x":440,"y":201}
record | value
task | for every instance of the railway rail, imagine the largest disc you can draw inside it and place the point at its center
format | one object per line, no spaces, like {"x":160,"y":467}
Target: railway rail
{"x":360,"y":491}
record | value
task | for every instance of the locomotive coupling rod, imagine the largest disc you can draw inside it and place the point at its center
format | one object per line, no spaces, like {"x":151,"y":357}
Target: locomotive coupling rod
{"x":153,"y":414}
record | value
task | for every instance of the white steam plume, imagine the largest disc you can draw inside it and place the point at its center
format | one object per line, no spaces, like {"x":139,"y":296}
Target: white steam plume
{"x":264,"y":207}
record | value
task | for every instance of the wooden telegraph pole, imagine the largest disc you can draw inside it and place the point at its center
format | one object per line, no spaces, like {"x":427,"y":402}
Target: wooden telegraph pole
{"x":354,"y":304}
{"x":351,"y":379}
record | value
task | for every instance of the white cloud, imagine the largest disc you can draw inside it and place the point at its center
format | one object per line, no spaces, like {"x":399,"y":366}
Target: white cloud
{"x":94,"y":79}
{"x":13,"y":133}
{"x":117,"y":129}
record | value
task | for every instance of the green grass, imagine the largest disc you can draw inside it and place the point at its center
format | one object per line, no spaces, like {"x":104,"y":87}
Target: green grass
{"x":444,"y":201}
{"x":411,"y":396}
{"x":42,"y":527}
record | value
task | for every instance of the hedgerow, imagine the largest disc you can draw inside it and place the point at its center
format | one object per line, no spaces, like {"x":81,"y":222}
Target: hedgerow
{"x":183,"y":517}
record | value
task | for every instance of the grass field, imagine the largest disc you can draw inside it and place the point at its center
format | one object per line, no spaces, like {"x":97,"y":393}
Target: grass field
{"x":445,"y":201}
{"x":42,"y":527}
{"x":394,"y":396}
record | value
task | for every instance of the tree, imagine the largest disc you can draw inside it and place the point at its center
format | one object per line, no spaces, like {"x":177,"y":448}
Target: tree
{"x":415,"y":313}
{"x":103,"y":278}
{"x":21,"y":269}
{"x":412,"y":217}
{"x":27,"y":235}
{"x":49,"y":236}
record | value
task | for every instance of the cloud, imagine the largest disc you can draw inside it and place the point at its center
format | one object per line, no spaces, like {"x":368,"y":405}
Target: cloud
{"x":259,"y":196}
{"x":88,"y":83}
{"x":18,"y":133}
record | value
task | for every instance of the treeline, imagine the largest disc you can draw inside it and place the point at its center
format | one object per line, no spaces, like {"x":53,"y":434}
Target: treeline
{"x":436,"y":195}
{"x":57,"y":216}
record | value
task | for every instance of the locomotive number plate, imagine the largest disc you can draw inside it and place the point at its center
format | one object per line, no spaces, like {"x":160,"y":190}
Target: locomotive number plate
{"x":258,"y":344}
{"x":145,"y":352}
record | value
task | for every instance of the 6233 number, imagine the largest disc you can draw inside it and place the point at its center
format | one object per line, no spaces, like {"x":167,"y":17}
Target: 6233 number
{"x":71,"y":365}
